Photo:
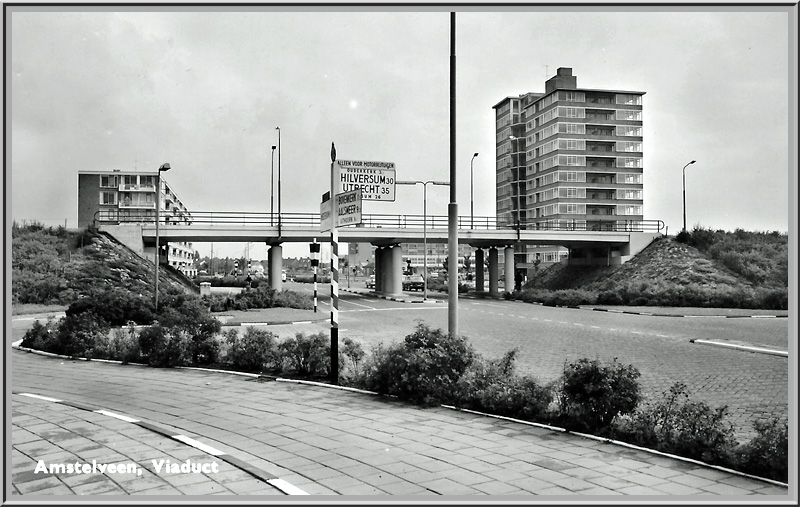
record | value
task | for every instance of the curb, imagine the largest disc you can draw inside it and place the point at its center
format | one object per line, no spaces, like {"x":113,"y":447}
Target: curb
{"x":758,"y":350}
{"x":278,"y":322}
{"x":389,"y":298}
{"x":256,"y":472}
{"x":652,"y":314}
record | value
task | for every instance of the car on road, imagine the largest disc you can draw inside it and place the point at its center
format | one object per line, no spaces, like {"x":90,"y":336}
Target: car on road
{"x":413,"y":282}
{"x":370,"y":282}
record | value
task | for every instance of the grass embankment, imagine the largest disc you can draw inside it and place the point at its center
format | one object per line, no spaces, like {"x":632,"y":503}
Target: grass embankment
{"x":703,"y":268}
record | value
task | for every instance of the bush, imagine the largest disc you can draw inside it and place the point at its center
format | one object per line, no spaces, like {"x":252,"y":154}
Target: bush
{"x":83,"y":335}
{"x":680,"y":426}
{"x":291,"y":299}
{"x":116,"y":306}
{"x":492,"y":387}
{"x":253,"y":351}
{"x":42,"y":337}
{"x":592,"y":395}
{"x":355,"y":353}
{"x":308,"y":355}
{"x":423,"y":368}
{"x":766,"y":455}
{"x":124,"y":345}
{"x":164,"y":347}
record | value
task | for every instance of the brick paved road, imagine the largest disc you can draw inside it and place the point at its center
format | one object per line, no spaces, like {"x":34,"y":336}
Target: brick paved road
{"x":754,"y":386}
{"x":328,"y":441}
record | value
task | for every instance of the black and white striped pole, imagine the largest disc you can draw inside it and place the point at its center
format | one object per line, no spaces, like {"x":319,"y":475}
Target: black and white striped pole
{"x":314,"y":264}
{"x":334,"y":276}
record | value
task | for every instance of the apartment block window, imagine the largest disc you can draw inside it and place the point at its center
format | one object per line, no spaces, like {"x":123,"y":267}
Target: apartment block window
{"x":572,"y":192}
{"x":572,"y":96}
{"x":629,"y":115}
{"x":630,"y":146}
{"x":108,"y":182}
{"x":629,"y":178}
{"x":630,"y":194}
{"x":571,"y":160}
{"x":572,"y":144}
{"x":628,"y":131}
{"x":149,"y":181}
{"x":571,"y":112}
{"x":108,"y":198}
{"x":629,"y":210}
{"x":572,"y":175}
{"x":129,"y":180}
{"x":629,"y":100}
{"x":629,"y":162}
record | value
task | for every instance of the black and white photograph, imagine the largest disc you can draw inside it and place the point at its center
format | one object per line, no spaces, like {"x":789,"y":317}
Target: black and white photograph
{"x":400,"y":253}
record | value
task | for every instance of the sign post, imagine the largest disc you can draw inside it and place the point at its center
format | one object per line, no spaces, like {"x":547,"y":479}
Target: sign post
{"x":314,"y":247}
{"x":334,"y":275}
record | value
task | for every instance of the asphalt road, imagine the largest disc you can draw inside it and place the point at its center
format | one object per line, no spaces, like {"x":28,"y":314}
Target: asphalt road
{"x":753,"y":385}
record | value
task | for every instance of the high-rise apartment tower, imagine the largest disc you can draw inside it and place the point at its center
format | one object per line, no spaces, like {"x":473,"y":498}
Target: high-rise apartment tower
{"x":568,"y":159}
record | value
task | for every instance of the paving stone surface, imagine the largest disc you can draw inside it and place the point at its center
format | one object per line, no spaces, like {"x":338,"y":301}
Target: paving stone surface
{"x":321,"y":440}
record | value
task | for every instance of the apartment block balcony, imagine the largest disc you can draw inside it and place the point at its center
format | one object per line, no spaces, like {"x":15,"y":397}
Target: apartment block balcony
{"x":136,"y":188}
{"x":600,"y":210}
{"x":133,"y":204}
{"x":601,"y":196}
{"x":597,"y":130}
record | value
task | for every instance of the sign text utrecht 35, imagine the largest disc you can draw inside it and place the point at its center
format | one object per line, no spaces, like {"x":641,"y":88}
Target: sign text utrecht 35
{"x":376,"y":180}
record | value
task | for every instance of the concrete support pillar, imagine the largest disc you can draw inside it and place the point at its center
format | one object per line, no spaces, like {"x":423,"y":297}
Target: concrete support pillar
{"x":493,"y":271}
{"x":275,"y":262}
{"x":479,"y":263}
{"x":386,"y":270}
{"x":395,"y":272}
{"x":379,"y":269}
{"x":509,"y":268}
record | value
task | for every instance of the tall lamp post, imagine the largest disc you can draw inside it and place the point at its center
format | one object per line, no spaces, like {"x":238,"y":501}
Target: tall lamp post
{"x":164,"y":167}
{"x":471,"y":202}
{"x":272,"y":186}
{"x":424,"y":227}
{"x":279,"y":180}
{"x":684,"y":193}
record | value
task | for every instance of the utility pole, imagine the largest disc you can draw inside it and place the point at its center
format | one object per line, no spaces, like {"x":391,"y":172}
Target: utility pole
{"x":452,"y":208}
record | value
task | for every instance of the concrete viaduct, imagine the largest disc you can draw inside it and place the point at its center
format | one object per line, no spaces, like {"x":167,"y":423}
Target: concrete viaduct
{"x":387,"y":233}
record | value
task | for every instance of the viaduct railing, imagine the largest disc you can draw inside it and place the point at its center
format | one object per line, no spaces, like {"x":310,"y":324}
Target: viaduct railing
{"x":245,"y":218}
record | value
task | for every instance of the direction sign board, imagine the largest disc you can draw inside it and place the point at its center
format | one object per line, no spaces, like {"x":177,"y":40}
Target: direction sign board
{"x":376,"y":180}
{"x":325,"y":217}
{"x":348,"y":208}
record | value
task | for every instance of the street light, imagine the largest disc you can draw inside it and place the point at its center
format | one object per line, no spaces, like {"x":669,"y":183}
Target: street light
{"x":471,"y":203}
{"x":424,"y":228}
{"x":164,"y":167}
{"x":272,"y":186}
{"x":684,"y":193}
{"x":279,"y":180}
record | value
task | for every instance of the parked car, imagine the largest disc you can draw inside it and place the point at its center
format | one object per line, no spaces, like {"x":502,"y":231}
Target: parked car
{"x":413,"y":282}
{"x":370,"y":282}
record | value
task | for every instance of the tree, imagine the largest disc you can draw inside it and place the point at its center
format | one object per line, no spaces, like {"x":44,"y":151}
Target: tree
{"x":468,"y":266}
{"x":445,"y":264}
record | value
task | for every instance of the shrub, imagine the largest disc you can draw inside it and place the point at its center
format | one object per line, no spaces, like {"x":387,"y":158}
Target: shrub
{"x":592,"y":394}
{"x":124,"y":345}
{"x":423,"y":368}
{"x":253,"y":351}
{"x":680,"y":426}
{"x":355,"y":353}
{"x":42,"y":337}
{"x":766,"y":455}
{"x":116,"y":306}
{"x":164,"y":347}
{"x":83,"y":335}
{"x":308,"y":355}
{"x":491,"y":386}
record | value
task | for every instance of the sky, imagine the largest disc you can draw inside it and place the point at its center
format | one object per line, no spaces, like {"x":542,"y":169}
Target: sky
{"x":204,"y":91}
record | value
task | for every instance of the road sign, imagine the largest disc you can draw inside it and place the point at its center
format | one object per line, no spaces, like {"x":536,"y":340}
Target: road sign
{"x":325,"y":217}
{"x":348,"y":208}
{"x":375,"y":179}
